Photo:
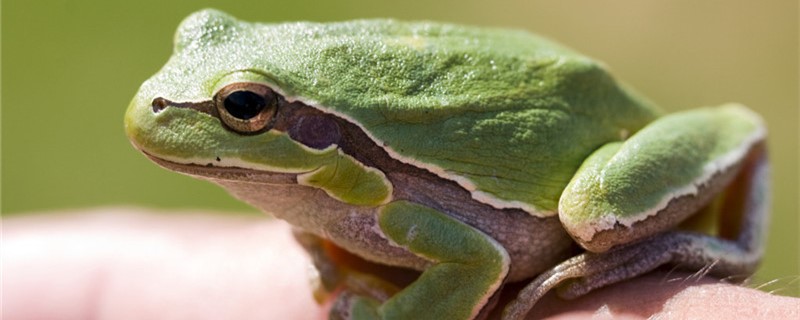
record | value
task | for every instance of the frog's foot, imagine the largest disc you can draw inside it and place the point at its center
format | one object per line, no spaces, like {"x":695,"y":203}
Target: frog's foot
{"x":742,"y":203}
{"x":469,"y":268}
{"x":590,"y":271}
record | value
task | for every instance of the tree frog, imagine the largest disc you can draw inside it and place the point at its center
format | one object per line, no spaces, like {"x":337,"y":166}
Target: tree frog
{"x":476,"y":156}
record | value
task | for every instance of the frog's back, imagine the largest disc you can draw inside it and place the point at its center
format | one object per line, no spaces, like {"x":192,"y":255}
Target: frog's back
{"x":507,"y":114}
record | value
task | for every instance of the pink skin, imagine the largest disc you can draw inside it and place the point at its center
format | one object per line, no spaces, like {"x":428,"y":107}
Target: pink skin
{"x":135,"y":264}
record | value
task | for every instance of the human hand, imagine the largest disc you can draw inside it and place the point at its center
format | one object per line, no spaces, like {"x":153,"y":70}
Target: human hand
{"x":137,"y":264}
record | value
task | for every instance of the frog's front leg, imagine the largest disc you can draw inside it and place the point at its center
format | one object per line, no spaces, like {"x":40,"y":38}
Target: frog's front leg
{"x":469,"y":267}
{"x":627,"y":196}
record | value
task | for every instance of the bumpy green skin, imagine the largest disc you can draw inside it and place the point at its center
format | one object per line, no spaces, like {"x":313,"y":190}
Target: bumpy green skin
{"x":514,"y":114}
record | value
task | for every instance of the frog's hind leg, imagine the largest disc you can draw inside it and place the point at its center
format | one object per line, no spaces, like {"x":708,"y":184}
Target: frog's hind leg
{"x":469,"y":268}
{"x":733,"y":252}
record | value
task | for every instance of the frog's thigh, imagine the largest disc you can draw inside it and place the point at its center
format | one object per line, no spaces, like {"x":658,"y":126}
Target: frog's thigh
{"x":469,"y":266}
{"x":627,"y":195}
{"x":663,"y":174}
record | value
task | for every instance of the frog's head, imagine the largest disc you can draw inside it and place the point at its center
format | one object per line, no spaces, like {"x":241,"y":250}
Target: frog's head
{"x":212,"y":111}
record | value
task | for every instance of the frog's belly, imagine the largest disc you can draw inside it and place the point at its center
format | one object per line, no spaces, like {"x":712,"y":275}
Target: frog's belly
{"x":534,"y":244}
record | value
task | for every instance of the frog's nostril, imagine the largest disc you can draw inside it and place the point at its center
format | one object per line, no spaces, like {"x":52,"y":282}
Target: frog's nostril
{"x":159,"y":104}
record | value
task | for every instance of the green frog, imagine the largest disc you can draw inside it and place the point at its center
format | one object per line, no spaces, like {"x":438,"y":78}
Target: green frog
{"x":476,"y":156}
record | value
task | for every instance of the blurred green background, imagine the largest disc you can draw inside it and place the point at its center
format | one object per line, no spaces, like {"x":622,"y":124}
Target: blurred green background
{"x":69,"y":69}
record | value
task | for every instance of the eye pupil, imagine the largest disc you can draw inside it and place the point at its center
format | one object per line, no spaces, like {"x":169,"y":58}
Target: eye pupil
{"x":244,"y":104}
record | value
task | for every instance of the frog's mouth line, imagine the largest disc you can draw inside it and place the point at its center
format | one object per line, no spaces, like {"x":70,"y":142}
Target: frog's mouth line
{"x":237,"y":174}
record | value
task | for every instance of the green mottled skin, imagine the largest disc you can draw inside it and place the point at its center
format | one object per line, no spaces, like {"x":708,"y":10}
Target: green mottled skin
{"x":513,"y":113}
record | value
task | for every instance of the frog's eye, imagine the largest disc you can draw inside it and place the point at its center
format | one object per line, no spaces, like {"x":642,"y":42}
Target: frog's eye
{"x":246,"y":107}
